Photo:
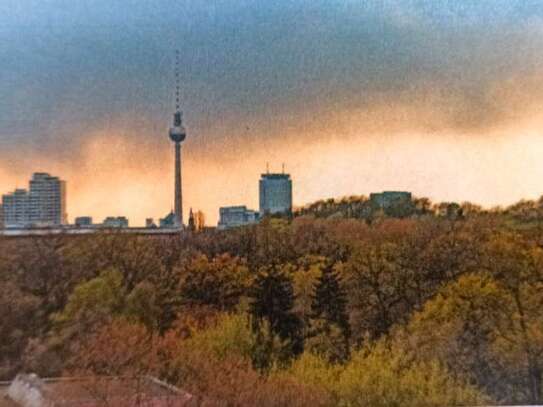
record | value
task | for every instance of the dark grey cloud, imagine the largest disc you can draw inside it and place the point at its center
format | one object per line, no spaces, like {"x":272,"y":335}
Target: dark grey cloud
{"x":70,"y":67}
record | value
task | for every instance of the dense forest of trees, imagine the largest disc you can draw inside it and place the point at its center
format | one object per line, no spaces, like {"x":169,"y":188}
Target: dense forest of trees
{"x":441,"y":306}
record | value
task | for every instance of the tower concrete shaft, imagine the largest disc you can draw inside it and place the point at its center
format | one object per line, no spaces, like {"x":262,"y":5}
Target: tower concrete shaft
{"x":178,"y":191}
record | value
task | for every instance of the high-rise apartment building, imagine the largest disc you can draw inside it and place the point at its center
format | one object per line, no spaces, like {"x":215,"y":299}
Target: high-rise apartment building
{"x":47,"y":200}
{"x":15,"y":208}
{"x":275,"y":194}
{"x":44,"y":204}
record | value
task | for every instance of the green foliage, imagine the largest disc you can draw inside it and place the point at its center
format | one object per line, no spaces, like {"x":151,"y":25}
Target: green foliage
{"x":361,"y":208}
{"x":94,"y":301}
{"x":230,"y":335}
{"x":141,"y":306}
{"x":375,"y":284}
{"x":16,"y":326}
{"x":330,"y":330}
{"x":221,"y":282}
{"x":327,"y":340}
{"x":383,"y":377}
{"x":277,"y":328}
{"x":312,"y":369}
{"x":457,"y":327}
{"x":102,"y":298}
{"x":304,"y":278}
{"x":476,"y":325}
{"x":380,"y":376}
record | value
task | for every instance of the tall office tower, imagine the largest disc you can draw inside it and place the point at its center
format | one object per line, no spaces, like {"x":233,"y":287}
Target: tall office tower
{"x":47,"y":200}
{"x":15,"y":209}
{"x":275,"y":194}
{"x":177,"y":135}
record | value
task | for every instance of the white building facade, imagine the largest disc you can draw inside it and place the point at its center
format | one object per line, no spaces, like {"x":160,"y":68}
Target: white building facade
{"x":47,"y":200}
{"x":44,"y":204}
{"x":234,"y":216}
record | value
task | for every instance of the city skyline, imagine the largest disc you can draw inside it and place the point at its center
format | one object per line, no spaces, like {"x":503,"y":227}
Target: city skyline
{"x":438,"y":98}
{"x":126,"y":202}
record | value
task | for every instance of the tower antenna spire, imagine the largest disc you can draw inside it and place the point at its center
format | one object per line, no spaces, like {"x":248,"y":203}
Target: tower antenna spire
{"x":177,"y":102}
{"x":178,"y":115}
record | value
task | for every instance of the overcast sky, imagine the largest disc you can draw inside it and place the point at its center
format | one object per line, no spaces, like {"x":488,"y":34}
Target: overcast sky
{"x":442,"y":98}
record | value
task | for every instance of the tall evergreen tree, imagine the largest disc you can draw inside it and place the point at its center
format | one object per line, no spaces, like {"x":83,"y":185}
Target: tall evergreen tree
{"x":277,"y":328}
{"x":329,"y":318}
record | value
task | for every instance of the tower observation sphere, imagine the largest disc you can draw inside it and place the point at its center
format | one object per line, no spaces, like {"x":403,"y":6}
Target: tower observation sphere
{"x":177,"y":132}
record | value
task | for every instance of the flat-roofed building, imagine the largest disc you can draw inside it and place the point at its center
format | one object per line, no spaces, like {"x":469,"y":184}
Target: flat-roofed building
{"x":15,"y":209}
{"x":115,"y":222}
{"x":234,"y":216}
{"x":275,"y":194}
{"x":83,"y":221}
{"x":47,"y":200}
{"x":387,"y":199}
{"x":396,"y":204}
{"x":43,"y":204}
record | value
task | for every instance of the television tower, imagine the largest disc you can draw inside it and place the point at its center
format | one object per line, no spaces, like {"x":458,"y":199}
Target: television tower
{"x":177,"y":135}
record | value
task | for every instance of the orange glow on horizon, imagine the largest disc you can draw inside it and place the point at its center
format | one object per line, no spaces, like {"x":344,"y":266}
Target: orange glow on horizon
{"x":121,"y":178}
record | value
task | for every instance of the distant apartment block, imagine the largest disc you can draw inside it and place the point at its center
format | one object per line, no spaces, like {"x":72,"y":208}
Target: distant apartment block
{"x":234,"y":216}
{"x":44,"y":204}
{"x":15,"y":208}
{"x":275,"y":193}
{"x":83,"y":221}
{"x":387,"y":199}
{"x":115,"y":222}
{"x":47,"y":200}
